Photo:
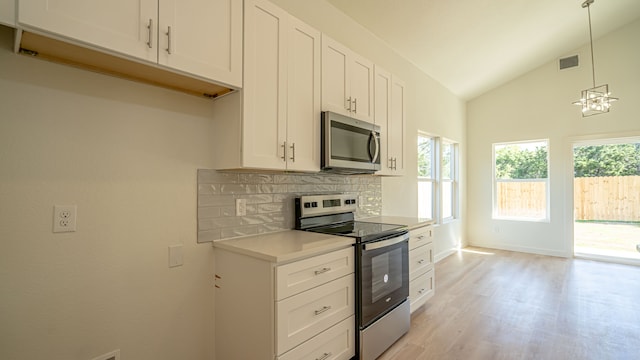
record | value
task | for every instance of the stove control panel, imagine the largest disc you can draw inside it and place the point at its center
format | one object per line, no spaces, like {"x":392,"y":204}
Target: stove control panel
{"x":313,"y":205}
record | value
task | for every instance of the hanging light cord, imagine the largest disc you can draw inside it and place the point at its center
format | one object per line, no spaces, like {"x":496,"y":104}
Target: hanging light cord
{"x":587,"y":4}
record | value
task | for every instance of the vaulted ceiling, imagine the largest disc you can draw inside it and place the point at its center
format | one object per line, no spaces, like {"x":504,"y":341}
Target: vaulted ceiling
{"x":472,"y":46}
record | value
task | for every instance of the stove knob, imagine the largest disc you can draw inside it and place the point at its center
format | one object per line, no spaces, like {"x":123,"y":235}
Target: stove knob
{"x":347,"y":201}
{"x":314,"y":204}
{"x":353,"y":201}
{"x":307,"y":205}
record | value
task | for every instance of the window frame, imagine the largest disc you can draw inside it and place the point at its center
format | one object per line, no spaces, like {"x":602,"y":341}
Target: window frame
{"x":546,"y":181}
{"x":433,"y":177}
{"x":453,"y":179}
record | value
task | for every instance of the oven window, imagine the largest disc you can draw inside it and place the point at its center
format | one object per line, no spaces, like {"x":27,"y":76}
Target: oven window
{"x":386,"y":274}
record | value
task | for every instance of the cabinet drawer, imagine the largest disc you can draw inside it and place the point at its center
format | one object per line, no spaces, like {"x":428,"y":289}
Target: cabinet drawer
{"x":421,"y":289}
{"x":420,"y":236}
{"x":336,"y":343}
{"x":301,"y":317}
{"x":420,"y":260}
{"x":302,"y":275}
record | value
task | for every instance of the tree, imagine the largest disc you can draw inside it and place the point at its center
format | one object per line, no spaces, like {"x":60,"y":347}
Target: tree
{"x":607,"y":160}
{"x":520,"y":161}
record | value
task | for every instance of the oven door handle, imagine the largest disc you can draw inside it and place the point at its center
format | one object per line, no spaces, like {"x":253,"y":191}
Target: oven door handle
{"x":385,"y":243}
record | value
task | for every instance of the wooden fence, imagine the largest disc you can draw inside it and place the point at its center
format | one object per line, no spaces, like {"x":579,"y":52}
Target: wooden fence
{"x":610,"y":198}
{"x":613,"y":198}
{"x":517,"y":198}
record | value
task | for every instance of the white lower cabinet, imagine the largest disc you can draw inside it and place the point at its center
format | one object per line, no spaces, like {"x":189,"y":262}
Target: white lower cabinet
{"x":421,"y":267}
{"x":299,"y":310}
{"x":336,"y":343}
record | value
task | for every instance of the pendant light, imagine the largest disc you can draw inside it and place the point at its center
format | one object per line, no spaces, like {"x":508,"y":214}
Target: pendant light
{"x":595,"y":100}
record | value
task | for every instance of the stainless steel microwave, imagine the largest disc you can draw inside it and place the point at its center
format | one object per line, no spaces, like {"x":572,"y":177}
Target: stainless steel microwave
{"x":349,"y":146}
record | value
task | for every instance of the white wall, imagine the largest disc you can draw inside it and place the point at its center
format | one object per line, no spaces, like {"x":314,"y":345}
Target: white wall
{"x":126,"y":154}
{"x":538,"y":106}
{"x":430,"y":107}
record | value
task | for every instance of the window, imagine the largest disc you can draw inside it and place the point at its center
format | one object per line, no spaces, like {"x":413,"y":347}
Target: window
{"x":521,"y":182}
{"x":426,"y":177}
{"x":448,"y":180}
{"x":437,"y":178}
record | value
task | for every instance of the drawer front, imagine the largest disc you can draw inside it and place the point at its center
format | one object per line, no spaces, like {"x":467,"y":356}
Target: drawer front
{"x":305,"y":274}
{"x":420,"y":236}
{"x":420,"y":260}
{"x":421,"y":289}
{"x":303,"y":316}
{"x":336,"y":343}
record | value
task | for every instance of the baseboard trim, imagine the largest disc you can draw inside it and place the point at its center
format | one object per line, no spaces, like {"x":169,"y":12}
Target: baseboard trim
{"x":444,"y":254}
{"x":524,"y":249}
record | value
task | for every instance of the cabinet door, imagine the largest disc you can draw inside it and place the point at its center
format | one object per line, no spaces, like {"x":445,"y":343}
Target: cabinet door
{"x":265,"y":69}
{"x":360,"y":71}
{"x":8,"y":12}
{"x":397,"y":125}
{"x":125,"y":26}
{"x":202,"y":37}
{"x":303,"y":105}
{"x":335,"y":84}
{"x":382,"y":101}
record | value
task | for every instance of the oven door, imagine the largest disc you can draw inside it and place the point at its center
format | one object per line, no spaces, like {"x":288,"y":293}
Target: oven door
{"x":384,"y":284}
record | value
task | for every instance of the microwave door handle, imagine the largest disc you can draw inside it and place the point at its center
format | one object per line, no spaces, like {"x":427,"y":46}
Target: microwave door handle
{"x":376,"y":139}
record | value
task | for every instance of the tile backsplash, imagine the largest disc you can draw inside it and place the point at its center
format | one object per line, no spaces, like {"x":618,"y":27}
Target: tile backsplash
{"x":270,"y":199}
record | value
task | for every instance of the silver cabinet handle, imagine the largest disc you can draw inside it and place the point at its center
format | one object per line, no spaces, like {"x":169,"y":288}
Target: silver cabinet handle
{"x":349,"y":101}
{"x":324,"y":356}
{"x":355,"y":105}
{"x":169,"y":40}
{"x":421,"y":291}
{"x":322,"y":271}
{"x":293,"y":152}
{"x":150,"y":33}
{"x":421,"y":237}
{"x":421,"y":261}
{"x":284,"y":151}
{"x":324,"y":308}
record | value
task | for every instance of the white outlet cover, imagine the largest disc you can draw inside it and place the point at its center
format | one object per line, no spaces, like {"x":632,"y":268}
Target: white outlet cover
{"x":64,"y":218}
{"x":114,"y":355}
{"x":175,"y":255}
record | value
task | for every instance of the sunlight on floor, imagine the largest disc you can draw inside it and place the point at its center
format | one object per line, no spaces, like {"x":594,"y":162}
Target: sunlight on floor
{"x":475,"y":252}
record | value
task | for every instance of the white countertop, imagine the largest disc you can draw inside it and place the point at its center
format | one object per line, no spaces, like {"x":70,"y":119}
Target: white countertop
{"x":410,"y":222}
{"x":285,"y":246}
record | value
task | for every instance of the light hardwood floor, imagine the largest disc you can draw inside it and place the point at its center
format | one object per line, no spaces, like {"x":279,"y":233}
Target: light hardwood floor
{"x":492,"y":304}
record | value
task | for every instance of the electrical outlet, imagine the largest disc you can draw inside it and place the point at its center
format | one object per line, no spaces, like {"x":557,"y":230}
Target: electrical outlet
{"x":64,"y":218}
{"x":175,"y":255}
{"x":114,"y":355}
{"x":241,"y":207}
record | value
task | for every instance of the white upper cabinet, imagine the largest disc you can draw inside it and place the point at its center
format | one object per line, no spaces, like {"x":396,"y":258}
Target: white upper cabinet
{"x":347,"y":81}
{"x":390,"y":116}
{"x":125,"y":26}
{"x":202,"y":38}
{"x":264,"y":101}
{"x":8,"y":12}
{"x":278,"y":111}
{"x":303,"y":105}
{"x":397,"y":126}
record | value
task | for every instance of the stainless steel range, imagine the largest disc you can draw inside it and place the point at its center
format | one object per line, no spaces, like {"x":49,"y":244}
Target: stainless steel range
{"x":382,"y":268}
